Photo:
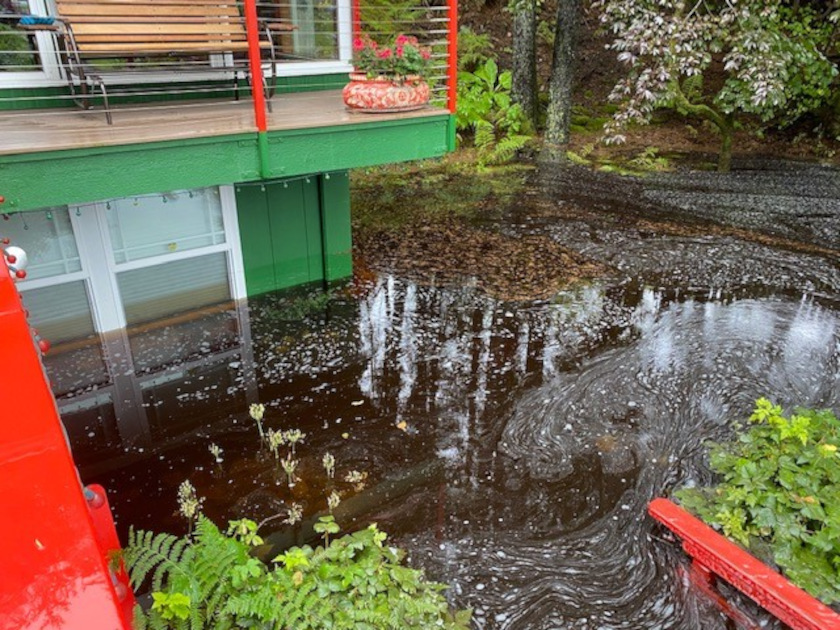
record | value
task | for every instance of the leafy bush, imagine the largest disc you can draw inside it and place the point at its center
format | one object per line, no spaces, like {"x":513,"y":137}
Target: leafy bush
{"x":781,"y":487}
{"x":473,"y":49}
{"x":211,"y":580}
{"x":14,"y":49}
{"x":486,"y":108}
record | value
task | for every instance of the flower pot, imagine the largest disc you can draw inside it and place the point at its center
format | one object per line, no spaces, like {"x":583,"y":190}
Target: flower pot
{"x":380,"y":95}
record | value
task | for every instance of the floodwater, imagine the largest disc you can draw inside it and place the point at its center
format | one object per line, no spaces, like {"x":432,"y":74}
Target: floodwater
{"x":512,"y":448}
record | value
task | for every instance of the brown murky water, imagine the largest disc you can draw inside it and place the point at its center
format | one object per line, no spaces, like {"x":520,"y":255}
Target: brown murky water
{"x":510,"y":447}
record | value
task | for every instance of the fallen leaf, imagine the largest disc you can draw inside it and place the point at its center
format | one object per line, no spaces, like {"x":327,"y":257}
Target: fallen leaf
{"x":402,"y":426}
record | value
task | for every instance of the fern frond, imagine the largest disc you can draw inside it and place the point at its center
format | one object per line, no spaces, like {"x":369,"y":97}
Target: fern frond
{"x":147,"y":552}
{"x":485,"y":135}
{"x":507,"y":148}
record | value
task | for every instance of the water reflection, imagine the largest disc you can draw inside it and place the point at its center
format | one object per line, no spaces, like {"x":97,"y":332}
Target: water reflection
{"x":511,"y":447}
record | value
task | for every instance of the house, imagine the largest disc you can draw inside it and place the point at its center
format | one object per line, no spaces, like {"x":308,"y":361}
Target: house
{"x":197,"y":194}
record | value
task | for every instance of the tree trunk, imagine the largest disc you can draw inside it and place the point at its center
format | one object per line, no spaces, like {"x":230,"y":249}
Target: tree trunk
{"x":524,"y":85}
{"x":560,"y":86}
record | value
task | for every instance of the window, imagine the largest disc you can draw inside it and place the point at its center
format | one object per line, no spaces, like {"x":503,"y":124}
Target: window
{"x":26,"y":57}
{"x":160,"y":225}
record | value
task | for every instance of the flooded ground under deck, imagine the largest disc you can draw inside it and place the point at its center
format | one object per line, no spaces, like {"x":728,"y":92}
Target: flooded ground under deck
{"x":511,"y":447}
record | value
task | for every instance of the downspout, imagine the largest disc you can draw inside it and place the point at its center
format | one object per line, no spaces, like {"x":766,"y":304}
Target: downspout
{"x":257,"y":91}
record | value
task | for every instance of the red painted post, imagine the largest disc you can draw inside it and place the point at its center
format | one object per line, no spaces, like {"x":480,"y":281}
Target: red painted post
{"x":357,"y":18}
{"x":255,"y":63}
{"x":720,"y":556}
{"x":55,"y":572}
{"x":452,"y":51}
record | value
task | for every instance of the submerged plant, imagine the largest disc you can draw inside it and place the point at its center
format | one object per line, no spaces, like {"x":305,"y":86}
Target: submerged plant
{"x":294,"y":514}
{"x":293,"y":436}
{"x":275,"y":440}
{"x":329,"y":464}
{"x":780,"y":487}
{"x":333,"y":501}
{"x":189,"y":505}
{"x":257,"y":411}
{"x":216,"y":451}
{"x":290,"y":465}
{"x":357,"y":479}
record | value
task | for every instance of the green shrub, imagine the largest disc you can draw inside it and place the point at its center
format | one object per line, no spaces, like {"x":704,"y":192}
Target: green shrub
{"x":780,"y":489}
{"x":473,"y":49}
{"x":211,"y":580}
{"x":485,"y":107}
{"x":15,"y":50}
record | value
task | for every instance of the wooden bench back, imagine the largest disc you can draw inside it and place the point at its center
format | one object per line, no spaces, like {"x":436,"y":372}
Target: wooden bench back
{"x":154,"y":27}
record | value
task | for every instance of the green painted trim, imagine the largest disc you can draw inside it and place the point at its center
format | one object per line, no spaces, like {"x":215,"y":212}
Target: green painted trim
{"x":452,"y":135}
{"x":262,"y":145}
{"x":37,"y":180}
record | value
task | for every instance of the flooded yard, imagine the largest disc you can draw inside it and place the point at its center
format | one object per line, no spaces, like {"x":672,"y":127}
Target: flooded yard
{"x":510,"y":446}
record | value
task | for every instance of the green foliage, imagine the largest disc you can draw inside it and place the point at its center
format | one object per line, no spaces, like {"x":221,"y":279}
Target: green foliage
{"x":781,"y":487}
{"x":474,"y":49}
{"x":15,"y":50}
{"x":210,"y":580}
{"x":649,"y":160}
{"x":486,"y":108}
{"x":385,"y":19}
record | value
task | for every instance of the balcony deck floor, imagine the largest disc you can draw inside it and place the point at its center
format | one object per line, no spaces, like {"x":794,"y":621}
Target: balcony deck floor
{"x":31,"y":131}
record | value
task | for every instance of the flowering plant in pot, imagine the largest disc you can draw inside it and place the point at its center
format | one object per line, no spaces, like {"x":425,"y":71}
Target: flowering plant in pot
{"x":388,"y":78}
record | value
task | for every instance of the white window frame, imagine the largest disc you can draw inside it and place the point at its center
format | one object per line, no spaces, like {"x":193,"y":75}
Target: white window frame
{"x":50,"y":73}
{"x":93,"y":238}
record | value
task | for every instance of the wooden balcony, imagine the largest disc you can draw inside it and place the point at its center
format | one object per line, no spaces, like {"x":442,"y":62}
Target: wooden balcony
{"x":37,"y":131}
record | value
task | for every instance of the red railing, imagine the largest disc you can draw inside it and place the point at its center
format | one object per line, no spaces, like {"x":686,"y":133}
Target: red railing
{"x":715,"y":556}
{"x":55,"y":536}
{"x":278,"y":37}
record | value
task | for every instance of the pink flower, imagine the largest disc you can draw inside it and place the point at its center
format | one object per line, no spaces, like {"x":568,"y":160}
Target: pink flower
{"x":426,"y":54}
{"x":399,"y":50}
{"x":385,"y":53}
{"x":401,"y":39}
{"x":358,"y":44}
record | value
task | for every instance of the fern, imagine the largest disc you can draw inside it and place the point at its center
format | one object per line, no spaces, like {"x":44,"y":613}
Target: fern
{"x":355,"y":583}
{"x":164,"y":554}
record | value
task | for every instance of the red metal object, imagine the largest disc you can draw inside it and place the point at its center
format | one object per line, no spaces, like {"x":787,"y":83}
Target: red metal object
{"x":452,"y":52}
{"x":53,"y":547}
{"x":714,"y":555}
{"x":356,"y":18}
{"x":255,"y":63}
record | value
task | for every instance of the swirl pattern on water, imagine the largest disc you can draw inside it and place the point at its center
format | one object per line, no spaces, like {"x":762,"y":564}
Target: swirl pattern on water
{"x":627,"y":426}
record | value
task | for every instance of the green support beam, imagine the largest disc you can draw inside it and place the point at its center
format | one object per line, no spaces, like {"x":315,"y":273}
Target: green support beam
{"x":38,"y":180}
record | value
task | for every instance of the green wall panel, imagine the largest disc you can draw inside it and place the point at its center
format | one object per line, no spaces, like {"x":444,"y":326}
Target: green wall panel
{"x":295,"y":225}
{"x":255,"y":235}
{"x":295,"y":231}
{"x":335,"y":221}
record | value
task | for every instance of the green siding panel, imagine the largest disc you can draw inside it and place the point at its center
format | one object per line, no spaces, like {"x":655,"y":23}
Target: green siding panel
{"x":255,"y":235}
{"x":335,"y":221}
{"x":282,"y":227}
{"x":290,"y":205}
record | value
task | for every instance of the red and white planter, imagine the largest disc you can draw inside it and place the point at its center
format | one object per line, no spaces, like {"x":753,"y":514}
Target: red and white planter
{"x":378,"y":95}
